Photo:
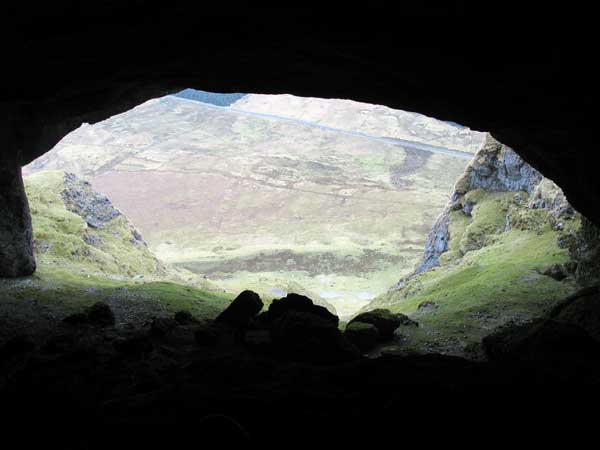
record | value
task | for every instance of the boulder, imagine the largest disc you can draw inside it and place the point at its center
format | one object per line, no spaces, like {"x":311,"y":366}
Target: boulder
{"x":76,"y":319}
{"x":555,"y":271}
{"x":363,"y":335}
{"x":299,"y":303}
{"x":162,"y":326}
{"x":184,"y":317}
{"x":304,"y":336}
{"x":541,"y":340}
{"x":243,"y":308}
{"x":258,"y":338}
{"x":206,"y":334}
{"x":100,"y":314}
{"x":133,"y":345}
{"x":17,"y":346}
{"x":182,"y":335}
{"x":427,"y":307}
{"x":385,"y":321}
{"x":581,"y":309}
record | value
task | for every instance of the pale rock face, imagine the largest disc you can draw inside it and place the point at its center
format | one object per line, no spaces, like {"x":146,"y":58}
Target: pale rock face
{"x":16,"y":243}
{"x":494,"y":168}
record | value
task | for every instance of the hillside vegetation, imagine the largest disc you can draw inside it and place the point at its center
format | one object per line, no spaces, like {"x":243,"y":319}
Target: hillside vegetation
{"x":506,"y":259}
{"x":255,"y":202}
{"x":88,"y":251}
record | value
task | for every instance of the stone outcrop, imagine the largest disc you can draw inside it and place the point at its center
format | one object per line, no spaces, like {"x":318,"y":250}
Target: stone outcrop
{"x":243,"y":308}
{"x":585,"y":250}
{"x":497,"y":168}
{"x":79,"y":197}
{"x":494,"y":168}
{"x":384,"y":321}
{"x":581,"y":309}
{"x":542,"y":340}
{"x":16,"y":235}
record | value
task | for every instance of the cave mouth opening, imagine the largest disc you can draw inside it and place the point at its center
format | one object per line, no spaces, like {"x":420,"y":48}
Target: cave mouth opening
{"x":275,"y":193}
{"x":186,"y":200}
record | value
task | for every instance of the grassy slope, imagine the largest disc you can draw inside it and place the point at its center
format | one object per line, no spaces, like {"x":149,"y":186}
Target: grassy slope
{"x":66,"y":292}
{"x":60,"y":235}
{"x":487,"y":278}
{"x":72,"y":274}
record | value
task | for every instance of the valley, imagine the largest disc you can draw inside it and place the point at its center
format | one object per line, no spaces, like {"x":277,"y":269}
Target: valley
{"x":246,"y":200}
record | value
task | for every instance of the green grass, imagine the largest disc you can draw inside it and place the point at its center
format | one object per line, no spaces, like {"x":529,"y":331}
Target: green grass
{"x":486,"y":287}
{"x":63,"y":292}
{"x":60,"y":235}
{"x":73,"y":274}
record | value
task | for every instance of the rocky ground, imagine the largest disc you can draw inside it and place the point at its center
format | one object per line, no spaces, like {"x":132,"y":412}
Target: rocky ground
{"x":289,"y":371}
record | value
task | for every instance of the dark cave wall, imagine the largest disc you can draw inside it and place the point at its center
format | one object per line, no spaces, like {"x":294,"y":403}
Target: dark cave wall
{"x":16,"y":245}
{"x":532,"y":88}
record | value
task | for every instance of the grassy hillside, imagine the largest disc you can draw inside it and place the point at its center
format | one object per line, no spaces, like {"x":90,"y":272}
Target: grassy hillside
{"x":80,"y":264}
{"x":64,"y":239}
{"x":491,"y":274}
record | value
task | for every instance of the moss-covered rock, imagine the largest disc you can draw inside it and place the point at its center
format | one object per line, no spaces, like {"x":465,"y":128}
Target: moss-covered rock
{"x":384,"y":320}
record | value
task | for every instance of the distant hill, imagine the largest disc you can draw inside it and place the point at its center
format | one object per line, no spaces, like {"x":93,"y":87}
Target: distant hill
{"x":211,"y":98}
{"x":249,"y":201}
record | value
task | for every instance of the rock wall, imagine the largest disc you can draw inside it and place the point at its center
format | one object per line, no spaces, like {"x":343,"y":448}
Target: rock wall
{"x":494,"y":168}
{"x":16,"y":243}
{"x":95,"y":208}
{"x":585,"y":250}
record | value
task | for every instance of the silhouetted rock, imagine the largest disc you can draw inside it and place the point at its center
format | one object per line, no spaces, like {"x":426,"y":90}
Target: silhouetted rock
{"x":541,"y":340}
{"x":58,"y":343}
{"x":100,"y":314}
{"x":581,"y":309}
{"x":385,"y":321}
{"x":363,"y":335}
{"x":161,"y":326}
{"x":184,"y":317}
{"x":245,"y":306}
{"x":305,"y":336}
{"x":133,"y":345}
{"x":258,"y":338}
{"x":76,"y":319}
{"x":261,"y":322}
{"x":181,"y":335}
{"x":299,"y":303}
{"x":206,"y":334}
{"x":16,"y":346}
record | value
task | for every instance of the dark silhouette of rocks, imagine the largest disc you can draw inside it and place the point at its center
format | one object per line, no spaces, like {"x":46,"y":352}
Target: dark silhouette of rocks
{"x":363,"y":335}
{"x":542,"y":340}
{"x":581,"y":309}
{"x":299,"y":303}
{"x":99,"y":314}
{"x":243,"y":308}
{"x":385,"y":321}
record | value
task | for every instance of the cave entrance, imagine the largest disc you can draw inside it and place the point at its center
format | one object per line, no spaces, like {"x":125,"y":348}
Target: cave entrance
{"x":275,"y":193}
